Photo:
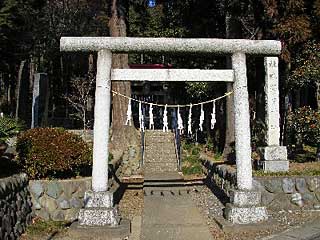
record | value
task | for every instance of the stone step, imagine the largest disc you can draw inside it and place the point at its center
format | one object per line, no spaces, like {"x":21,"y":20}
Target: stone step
{"x":160,"y":152}
{"x":160,"y":167}
{"x":159,"y":149}
{"x":161,"y":164}
{"x":157,"y":133}
{"x":166,"y":191}
{"x":160,"y":134}
{"x":163,"y":142}
{"x":164,"y":138}
{"x":155,"y":154}
{"x":155,"y":138}
{"x":163,"y":177}
{"x":160,"y":160}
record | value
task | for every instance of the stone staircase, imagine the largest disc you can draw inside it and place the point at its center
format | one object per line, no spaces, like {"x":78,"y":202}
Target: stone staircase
{"x":160,"y":153}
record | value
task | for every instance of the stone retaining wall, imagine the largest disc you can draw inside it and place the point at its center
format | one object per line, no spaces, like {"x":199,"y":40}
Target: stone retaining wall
{"x":290,"y":192}
{"x":58,"y":200}
{"x":284,"y":192}
{"x":15,"y":206}
{"x":221,"y":175}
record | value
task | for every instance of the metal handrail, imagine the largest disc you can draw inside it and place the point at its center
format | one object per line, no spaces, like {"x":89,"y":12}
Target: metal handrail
{"x":142,"y":148}
{"x":143,"y":141}
{"x":177,"y":142}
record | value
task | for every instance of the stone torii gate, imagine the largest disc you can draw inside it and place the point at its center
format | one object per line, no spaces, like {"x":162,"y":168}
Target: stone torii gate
{"x":245,"y":202}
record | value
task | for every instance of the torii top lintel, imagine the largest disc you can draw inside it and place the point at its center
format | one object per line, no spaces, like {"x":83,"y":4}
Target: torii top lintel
{"x":173,"y":45}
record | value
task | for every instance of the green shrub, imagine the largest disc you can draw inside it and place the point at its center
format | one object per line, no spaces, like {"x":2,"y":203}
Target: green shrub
{"x":8,"y":128}
{"x":186,"y":145}
{"x":303,"y":127}
{"x":53,"y":153}
{"x":192,"y":165}
{"x":209,"y":144}
{"x":196,"y":151}
{"x":192,"y":159}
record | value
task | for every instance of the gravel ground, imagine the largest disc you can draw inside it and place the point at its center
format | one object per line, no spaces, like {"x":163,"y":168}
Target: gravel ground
{"x":131,"y":204}
{"x":210,"y":206}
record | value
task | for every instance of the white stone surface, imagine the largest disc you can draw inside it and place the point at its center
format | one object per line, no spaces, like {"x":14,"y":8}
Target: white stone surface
{"x":242,"y":122}
{"x":98,"y":217}
{"x":245,"y":198}
{"x":272,"y":100}
{"x":176,"y":45}
{"x":245,"y":215}
{"x":275,"y":166}
{"x":101,"y":122}
{"x":170,"y":75}
{"x":271,"y":153}
{"x":98,"y":199}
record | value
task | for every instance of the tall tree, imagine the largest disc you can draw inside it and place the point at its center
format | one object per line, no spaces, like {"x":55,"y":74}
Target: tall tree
{"x":122,"y":136}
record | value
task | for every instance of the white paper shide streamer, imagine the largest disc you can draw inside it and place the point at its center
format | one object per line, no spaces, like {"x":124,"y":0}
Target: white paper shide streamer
{"x":151,"y":122}
{"x":165,"y":119}
{"x":180,"y":123}
{"x":213,"y":115}
{"x":201,"y":118}
{"x":141,"y":120}
{"x":129,"y":114}
{"x":190,"y":120}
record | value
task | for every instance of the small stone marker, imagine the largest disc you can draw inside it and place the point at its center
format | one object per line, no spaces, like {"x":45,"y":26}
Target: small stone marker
{"x":273,"y":157}
{"x":40,"y":100}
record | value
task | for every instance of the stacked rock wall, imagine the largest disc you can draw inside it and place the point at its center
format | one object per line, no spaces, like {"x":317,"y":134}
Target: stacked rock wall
{"x":279,"y":192}
{"x":290,"y":192}
{"x":222,"y":176}
{"x":15,"y":206}
{"x":58,"y":200}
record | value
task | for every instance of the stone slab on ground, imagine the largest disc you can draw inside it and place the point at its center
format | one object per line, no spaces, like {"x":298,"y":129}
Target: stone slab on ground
{"x":308,"y":231}
{"x":245,"y":215}
{"x":77,"y":232}
{"x":172,"y":217}
{"x":165,"y":176}
{"x":229,"y":227}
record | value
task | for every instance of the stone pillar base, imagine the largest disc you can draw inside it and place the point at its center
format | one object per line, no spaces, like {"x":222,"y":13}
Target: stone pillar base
{"x":275,"y":166}
{"x":99,"y":210}
{"x":274,"y":159}
{"x":245,"y":208}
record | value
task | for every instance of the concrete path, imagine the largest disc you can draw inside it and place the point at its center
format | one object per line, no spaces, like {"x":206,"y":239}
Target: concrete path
{"x":308,"y":231}
{"x":172,"y":217}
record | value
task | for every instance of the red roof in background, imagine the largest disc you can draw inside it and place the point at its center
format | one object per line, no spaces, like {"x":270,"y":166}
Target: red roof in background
{"x":149,"y":66}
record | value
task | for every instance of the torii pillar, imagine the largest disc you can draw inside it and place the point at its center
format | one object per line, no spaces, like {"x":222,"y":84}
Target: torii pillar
{"x":99,"y":207}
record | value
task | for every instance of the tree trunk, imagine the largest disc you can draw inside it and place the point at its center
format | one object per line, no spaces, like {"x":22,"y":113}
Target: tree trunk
{"x":122,"y":136}
{"x":18,"y":88}
{"x":318,"y":95}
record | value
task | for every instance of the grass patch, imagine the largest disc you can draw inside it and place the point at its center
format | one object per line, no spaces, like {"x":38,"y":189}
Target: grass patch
{"x":40,"y":228}
{"x":295,"y":169}
{"x":191,"y":164}
{"x":192,"y":170}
